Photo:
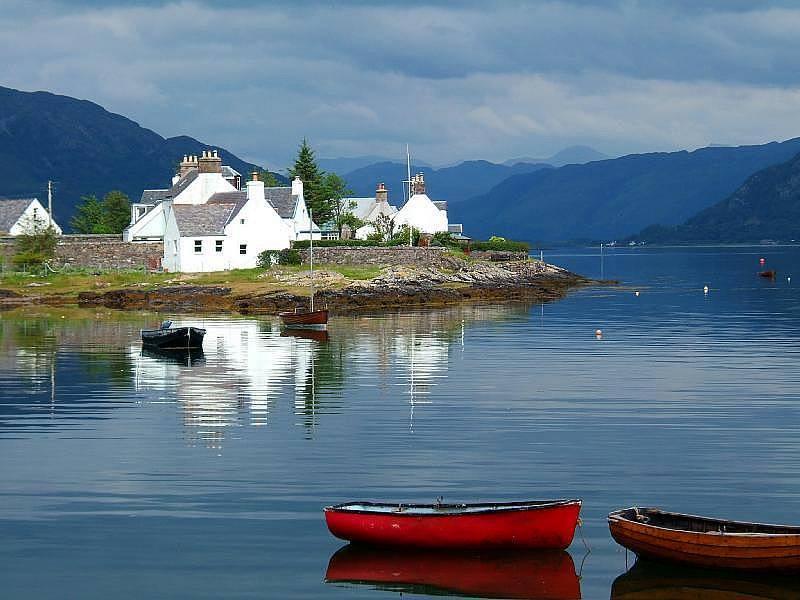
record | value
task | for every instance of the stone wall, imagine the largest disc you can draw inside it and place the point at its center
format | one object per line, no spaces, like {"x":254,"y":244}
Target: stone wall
{"x":377,"y":255}
{"x":98,"y":252}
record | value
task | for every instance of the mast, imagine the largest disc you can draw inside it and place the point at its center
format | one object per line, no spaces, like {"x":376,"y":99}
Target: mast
{"x":50,"y":200}
{"x":408,"y":167}
{"x":311,"y":254}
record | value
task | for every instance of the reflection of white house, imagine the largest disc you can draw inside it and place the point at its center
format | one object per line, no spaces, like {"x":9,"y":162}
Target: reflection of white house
{"x":208,"y":223}
{"x":23,"y":215}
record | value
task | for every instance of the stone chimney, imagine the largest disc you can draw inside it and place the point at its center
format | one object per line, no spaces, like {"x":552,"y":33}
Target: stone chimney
{"x":297,"y":187}
{"x":381,"y":193}
{"x":188,"y":163}
{"x":209,"y":162}
{"x":255,"y":189}
{"x":418,"y":184}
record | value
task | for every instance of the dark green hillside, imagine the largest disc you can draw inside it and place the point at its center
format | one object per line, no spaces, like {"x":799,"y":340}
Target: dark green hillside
{"x":613,"y":199}
{"x":766,"y":206}
{"x":84,"y":149}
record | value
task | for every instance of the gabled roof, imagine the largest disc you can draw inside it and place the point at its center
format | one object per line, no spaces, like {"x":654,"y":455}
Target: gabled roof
{"x":282,"y":201}
{"x":440,"y":204}
{"x":205,"y":219}
{"x":182,"y":184}
{"x":11,"y":211}
{"x":153,"y":196}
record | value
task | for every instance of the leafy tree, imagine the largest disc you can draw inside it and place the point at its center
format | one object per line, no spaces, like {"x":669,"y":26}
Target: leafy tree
{"x":384,"y":228}
{"x":268,"y":178}
{"x":400,"y":236}
{"x":111,"y":215}
{"x":334,"y":189}
{"x":36,"y":243}
{"x":89,"y":215}
{"x":116,"y":212}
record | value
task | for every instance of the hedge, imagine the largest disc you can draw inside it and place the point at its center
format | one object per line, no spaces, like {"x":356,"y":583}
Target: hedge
{"x":502,"y":245}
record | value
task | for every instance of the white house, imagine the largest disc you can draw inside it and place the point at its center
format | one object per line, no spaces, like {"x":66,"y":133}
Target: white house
{"x":23,"y":215}
{"x":420,"y":211}
{"x":197,"y":182}
{"x":370,"y":209}
{"x":228,"y":231}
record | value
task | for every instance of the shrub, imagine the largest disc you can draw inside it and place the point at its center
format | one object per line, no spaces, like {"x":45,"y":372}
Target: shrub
{"x":287,"y":256}
{"x":501,"y":244}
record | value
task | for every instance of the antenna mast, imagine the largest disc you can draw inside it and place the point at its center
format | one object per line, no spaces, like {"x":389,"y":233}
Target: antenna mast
{"x":50,"y":199}
{"x":408,"y":167}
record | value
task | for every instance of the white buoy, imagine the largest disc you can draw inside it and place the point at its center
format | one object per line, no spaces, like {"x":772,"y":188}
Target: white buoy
{"x":598,"y":333}
{"x":705,"y":289}
{"x":637,"y":293}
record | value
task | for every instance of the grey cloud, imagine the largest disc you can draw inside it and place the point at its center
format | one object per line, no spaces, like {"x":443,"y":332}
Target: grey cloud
{"x":463,"y":80}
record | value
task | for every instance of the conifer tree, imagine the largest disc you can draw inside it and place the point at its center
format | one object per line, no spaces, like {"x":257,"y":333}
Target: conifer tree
{"x":306,"y":168}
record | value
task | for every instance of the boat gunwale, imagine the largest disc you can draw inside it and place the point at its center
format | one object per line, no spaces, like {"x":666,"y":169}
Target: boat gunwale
{"x":171,"y":330}
{"x":618,"y":516}
{"x":447,"y":510}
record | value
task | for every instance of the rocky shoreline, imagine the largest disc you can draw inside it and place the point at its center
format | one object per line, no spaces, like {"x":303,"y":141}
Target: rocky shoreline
{"x":395,"y":287}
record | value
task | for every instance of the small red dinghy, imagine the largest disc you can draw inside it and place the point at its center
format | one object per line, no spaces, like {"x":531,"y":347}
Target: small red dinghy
{"x":304,"y":318}
{"x":534,"y":524}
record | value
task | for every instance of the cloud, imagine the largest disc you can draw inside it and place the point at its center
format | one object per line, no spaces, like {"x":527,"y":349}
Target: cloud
{"x":457,"y":80}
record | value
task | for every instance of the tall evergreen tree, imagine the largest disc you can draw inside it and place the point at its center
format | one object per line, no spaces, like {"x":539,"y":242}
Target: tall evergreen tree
{"x":306,"y":168}
{"x":116,"y":212}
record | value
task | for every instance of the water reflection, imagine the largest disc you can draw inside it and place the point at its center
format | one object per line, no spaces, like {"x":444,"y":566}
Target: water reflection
{"x":648,"y":579}
{"x":533,"y":575}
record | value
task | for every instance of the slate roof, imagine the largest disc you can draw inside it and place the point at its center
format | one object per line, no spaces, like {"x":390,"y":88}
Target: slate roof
{"x":281,"y":200}
{"x":182,"y":183}
{"x":229,"y":172}
{"x":362,"y":206}
{"x":440,"y":204}
{"x":11,"y":211}
{"x":153,"y":196}
{"x":204,"y":219}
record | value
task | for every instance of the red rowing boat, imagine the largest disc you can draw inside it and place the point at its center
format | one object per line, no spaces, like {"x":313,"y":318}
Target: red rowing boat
{"x":706,"y":542}
{"x":304,"y":318}
{"x":543,"y":524}
{"x":767,"y":274}
{"x":544,"y":575}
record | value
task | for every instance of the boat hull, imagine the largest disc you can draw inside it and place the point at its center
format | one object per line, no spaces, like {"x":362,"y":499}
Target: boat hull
{"x":544,"y":575}
{"x":317,"y":318}
{"x":768,"y":274}
{"x":533,"y":525}
{"x":178,"y":338}
{"x":706,"y":542}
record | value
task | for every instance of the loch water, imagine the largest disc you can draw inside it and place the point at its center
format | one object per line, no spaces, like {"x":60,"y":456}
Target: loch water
{"x":130,"y":475}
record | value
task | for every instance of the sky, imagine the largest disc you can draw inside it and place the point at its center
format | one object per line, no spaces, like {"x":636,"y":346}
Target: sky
{"x":455,"y":80}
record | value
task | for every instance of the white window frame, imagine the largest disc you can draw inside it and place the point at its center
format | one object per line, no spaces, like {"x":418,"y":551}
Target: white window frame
{"x":218,"y":246}
{"x":198,"y":246}
{"x":243,"y":249}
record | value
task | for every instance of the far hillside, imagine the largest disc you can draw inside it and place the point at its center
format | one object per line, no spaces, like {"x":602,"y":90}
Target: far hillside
{"x":453,"y":184}
{"x":85,"y":149}
{"x":615,"y":198}
{"x":765,"y":207}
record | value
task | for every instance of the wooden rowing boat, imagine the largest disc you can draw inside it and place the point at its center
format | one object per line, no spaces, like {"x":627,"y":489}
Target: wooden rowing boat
{"x":653,"y":533}
{"x":544,"y":575}
{"x":173,"y":338}
{"x":767,"y":274}
{"x":653,"y":580}
{"x":547,"y":524}
{"x":304,"y":318}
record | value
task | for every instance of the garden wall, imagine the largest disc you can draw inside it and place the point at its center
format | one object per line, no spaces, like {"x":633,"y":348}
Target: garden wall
{"x":378,"y":255}
{"x":98,"y":252}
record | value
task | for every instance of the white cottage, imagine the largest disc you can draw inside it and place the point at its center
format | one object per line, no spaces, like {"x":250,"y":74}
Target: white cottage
{"x":420,"y":211}
{"x":370,"y":209}
{"x":18,"y":216}
{"x":228,"y":231}
{"x":197,"y":182}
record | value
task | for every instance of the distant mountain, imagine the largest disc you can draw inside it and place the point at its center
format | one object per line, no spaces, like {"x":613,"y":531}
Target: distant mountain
{"x":615,"y":198}
{"x":573,"y":155}
{"x":453,"y":184}
{"x":85,"y":150}
{"x":766,"y":206}
{"x":343,"y":165}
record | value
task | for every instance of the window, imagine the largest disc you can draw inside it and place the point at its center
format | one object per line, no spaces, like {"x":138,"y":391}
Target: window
{"x":242,"y":248}
{"x":241,"y":221}
{"x":198,"y":246}
{"x":218,"y":247}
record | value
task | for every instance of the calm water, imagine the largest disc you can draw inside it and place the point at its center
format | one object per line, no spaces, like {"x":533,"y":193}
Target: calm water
{"x":126,"y":475}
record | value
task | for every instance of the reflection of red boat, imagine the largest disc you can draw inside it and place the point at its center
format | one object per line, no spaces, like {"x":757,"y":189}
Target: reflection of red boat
{"x":767,"y":274}
{"x":540,"y":524}
{"x":706,"y":542}
{"x":304,"y":318}
{"x":318,"y":335}
{"x":548,"y":575}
